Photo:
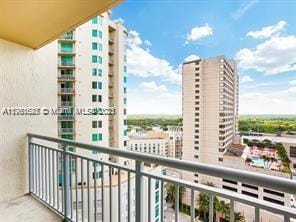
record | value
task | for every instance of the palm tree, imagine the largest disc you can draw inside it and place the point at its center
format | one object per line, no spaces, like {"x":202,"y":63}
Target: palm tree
{"x":238,"y":217}
{"x":248,"y":161}
{"x":203,"y":204}
{"x":171,"y":190}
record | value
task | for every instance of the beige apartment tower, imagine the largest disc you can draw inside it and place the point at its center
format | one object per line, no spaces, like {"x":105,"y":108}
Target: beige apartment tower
{"x":210,"y":110}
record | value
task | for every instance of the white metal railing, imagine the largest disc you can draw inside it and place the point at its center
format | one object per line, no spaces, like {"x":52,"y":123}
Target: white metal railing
{"x":66,"y":103}
{"x":48,"y":165}
{"x":66,"y":76}
{"x":66,"y":90}
{"x":66,"y":130}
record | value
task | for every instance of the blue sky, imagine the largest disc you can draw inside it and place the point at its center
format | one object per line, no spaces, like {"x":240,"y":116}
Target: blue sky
{"x":260,"y":35}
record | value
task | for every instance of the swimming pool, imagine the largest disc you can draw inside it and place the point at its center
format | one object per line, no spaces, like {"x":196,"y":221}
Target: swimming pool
{"x":257,"y":162}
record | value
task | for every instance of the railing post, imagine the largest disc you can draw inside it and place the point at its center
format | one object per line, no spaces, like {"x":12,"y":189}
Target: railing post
{"x":66,"y":177}
{"x":30,"y":163}
{"x":139,"y":191}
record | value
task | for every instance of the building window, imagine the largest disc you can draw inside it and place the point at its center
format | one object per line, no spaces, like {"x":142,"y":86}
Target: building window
{"x":100,"y":34}
{"x":100,"y":47}
{"x":124,"y":111}
{"x":97,"y":137}
{"x":156,"y":197}
{"x":124,"y":68}
{"x":95,"y":20}
{"x":124,"y":79}
{"x":94,"y":72}
{"x":94,"y":33}
{"x":292,"y":151}
{"x":125,"y":122}
{"x":100,"y":85}
{"x":125,"y":133}
{"x":100,"y":72}
{"x":124,"y":100}
{"x":124,"y":90}
{"x":94,"y":46}
{"x":94,"y":85}
{"x":97,"y":124}
{"x":67,"y":47}
{"x":94,"y":98}
{"x":99,"y":98}
{"x":100,"y":59}
{"x":94,"y":59}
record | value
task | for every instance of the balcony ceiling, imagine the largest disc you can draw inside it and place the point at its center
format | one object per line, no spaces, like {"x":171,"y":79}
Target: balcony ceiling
{"x":35,"y":23}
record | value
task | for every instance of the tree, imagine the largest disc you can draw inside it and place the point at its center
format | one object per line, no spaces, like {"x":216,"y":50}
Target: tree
{"x":171,"y":193}
{"x":248,"y":161}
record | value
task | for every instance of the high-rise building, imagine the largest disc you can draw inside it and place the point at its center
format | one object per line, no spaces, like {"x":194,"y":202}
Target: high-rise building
{"x":92,"y":75}
{"x":210,"y":110}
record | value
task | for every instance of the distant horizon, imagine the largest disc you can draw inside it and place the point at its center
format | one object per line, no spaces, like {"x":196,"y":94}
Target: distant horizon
{"x":143,"y":114}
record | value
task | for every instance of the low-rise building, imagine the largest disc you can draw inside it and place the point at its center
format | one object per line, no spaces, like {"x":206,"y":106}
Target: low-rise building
{"x":156,"y":143}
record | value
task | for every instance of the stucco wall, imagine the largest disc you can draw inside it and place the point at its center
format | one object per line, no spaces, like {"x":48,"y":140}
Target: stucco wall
{"x":27,"y":79}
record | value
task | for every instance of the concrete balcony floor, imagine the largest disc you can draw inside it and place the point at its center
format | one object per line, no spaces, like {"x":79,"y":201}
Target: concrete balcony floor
{"x":26,"y":209}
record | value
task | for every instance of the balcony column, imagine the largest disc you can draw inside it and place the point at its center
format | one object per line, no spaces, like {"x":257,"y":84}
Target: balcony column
{"x":139,"y":191}
{"x":30,"y":161}
{"x":66,"y":180}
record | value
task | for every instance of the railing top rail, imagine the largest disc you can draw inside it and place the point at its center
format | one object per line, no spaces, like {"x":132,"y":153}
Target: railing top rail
{"x":268,"y":181}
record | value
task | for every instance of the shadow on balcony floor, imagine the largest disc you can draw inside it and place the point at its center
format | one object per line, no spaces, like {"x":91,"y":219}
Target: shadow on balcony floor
{"x":26,"y":209}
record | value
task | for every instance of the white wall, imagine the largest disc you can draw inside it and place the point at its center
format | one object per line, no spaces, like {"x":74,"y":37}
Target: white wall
{"x":27,"y":79}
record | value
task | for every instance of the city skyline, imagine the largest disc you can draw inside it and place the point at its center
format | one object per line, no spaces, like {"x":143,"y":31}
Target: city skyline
{"x":263,"y":48}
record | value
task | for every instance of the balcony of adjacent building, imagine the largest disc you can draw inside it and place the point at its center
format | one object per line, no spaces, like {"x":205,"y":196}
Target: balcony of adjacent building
{"x":66,"y":61}
{"x":66,"y":88}
{"x":111,"y":61}
{"x":111,"y":50}
{"x":66,"y":49}
{"x":66,"y":103}
{"x":67,"y":117}
{"x":67,"y":37}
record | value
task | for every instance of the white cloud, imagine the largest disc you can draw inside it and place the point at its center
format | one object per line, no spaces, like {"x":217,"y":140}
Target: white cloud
{"x":199,"y":32}
{"x":292,"y":82}
{"x":268,"y":31}
{"x":243,"y":9}
{"x":142,"y":63}
{"x":191,"y":58}
{"x":134,"y":39}
{"x":152,"y":87}
{"x":154,"y":103}
{"x":275,"y":102}
{"x":292,"y":91}
{"x":147,"y":42}
{"x":119,"y":20}
{"x":246,"y":79}
{"x":273,"y":56}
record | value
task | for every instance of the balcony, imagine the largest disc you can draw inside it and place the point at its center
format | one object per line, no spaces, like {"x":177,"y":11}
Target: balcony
{"x":111,"y":51}
{"x":66,"y":91}
{"x":68,"y":36}
{"x":76,"y":194}
{"x":66,"y":77}
{"x":66,"y":130}
{"x":66,"y":117}
{"x":66,"y":103}
{"x":66,"y":51}
{"x":111,"y":83}
{"x":66,"y":65}
{"x":111,"y":61}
